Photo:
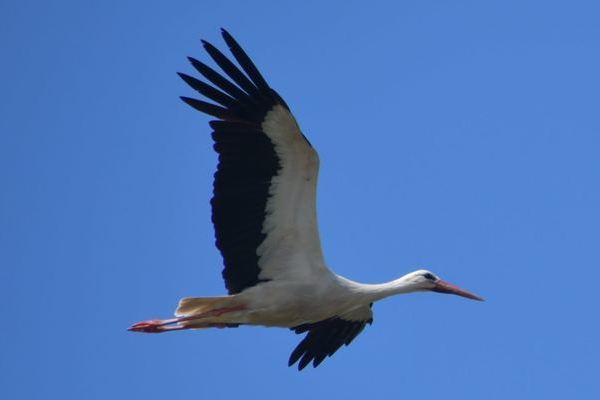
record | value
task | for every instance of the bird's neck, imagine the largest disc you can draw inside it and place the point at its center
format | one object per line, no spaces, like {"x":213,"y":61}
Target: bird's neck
{"x":379,"y":291}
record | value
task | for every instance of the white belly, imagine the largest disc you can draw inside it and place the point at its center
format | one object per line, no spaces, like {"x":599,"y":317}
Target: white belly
{"x":287,"y":305}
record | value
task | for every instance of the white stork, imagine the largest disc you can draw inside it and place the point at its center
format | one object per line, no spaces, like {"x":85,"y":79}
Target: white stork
{"x":264,"y":214}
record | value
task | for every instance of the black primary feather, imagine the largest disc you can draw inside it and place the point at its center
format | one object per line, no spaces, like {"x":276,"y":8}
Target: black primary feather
{"x":247,"y":158}
{"x":324,"y":338}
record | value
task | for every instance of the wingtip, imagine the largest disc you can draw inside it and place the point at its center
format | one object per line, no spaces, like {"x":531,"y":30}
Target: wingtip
{"x":294,"y":357}
{"x":304,"y":362}
{"x":207,"y":45}
{"x":187,"y":79}
{"x":226,"y":35}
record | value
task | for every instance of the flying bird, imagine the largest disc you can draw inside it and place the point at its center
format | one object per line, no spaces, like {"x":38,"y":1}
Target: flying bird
{"x":265,"y":220}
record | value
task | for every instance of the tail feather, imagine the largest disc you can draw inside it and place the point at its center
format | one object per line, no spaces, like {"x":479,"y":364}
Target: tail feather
{"x":189,"y":306}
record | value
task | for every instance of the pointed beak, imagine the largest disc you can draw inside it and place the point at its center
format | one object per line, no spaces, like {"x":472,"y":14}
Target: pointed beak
{"x":445,"y":287}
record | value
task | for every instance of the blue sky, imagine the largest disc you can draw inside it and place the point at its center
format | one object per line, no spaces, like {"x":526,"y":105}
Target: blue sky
{"x":460,"y":136}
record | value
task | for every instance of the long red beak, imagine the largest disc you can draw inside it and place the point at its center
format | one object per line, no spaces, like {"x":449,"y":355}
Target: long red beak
{"x":445,"y":287}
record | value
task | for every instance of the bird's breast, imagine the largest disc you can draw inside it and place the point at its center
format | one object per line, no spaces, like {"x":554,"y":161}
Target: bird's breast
{"x":292,"y":304}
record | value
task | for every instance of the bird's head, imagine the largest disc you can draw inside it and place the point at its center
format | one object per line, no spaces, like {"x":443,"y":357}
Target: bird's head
{"x":428,"y":281}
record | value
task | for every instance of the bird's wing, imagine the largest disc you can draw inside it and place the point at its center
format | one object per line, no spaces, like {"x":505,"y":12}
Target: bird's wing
{"x":325,"y":337}
{"x":263,"y":205}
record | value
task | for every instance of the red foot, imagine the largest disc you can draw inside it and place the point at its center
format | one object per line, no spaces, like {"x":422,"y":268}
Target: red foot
{"x":163,"y":325}
{"x":150,"y":326}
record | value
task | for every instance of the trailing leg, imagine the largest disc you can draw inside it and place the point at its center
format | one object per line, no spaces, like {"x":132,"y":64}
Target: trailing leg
{"x":192,"y":318}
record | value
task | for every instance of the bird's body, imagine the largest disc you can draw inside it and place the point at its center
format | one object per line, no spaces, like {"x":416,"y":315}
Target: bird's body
{"x":282,"y":303}
{"x":264,"y":214}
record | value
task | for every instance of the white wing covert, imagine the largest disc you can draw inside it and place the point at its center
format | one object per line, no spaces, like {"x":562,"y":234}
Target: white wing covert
{"x":263,"y":205}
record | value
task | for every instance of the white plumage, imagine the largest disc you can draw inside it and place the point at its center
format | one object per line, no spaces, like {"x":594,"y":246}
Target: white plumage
{"x":264,"y":214}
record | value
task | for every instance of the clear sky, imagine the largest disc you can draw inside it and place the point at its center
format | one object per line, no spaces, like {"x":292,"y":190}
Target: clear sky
{"x":460,"y":136}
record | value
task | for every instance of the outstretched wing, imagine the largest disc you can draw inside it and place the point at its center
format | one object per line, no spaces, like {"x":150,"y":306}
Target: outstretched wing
{"x":325,"y":337}
{"x":263,"y":205}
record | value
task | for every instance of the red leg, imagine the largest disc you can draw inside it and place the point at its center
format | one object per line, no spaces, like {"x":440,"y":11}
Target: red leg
{"x":164,"y":325}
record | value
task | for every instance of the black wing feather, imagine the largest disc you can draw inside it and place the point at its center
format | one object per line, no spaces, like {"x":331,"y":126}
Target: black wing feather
{"x":245,"y":61}
{"x":324,"y":338}
{"x":247,"y":158}
{"x":230,"y":69}
{"x":218,"y":80}
{"x":210,"y":92}
{"x":208,"y":108}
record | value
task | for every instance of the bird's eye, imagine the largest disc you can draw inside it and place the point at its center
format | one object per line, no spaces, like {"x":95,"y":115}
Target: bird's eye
{"x":429,"y":276}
